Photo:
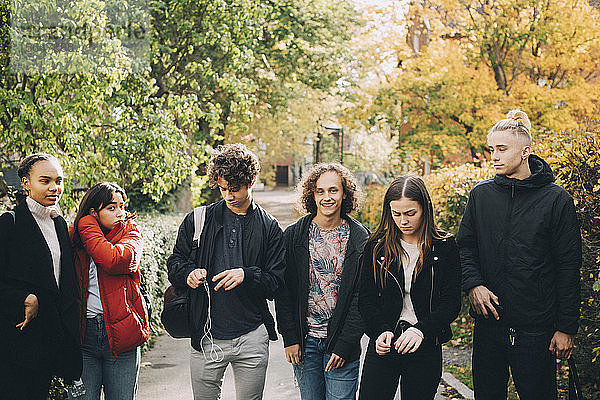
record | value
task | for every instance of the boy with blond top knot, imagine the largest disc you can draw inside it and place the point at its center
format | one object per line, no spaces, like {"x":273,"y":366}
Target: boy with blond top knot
{"x":520,"y":250}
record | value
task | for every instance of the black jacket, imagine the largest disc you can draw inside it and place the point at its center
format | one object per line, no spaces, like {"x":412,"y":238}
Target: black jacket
{"x":263,"y":256}
{"x":345,"y":327}
{"x":435,"y":293}
{"x":50,"y":343}
{"x":521,"y":239}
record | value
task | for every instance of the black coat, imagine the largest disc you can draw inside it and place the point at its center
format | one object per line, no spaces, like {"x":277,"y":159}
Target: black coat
{"x":50,"y":343}
{"x":345,"y":327}
{"x":263,"y":256}
{"x":521,"y":239}
{"x":435,"y":293}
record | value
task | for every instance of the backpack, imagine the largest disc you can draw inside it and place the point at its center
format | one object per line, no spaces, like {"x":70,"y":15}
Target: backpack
{"x":176,"y":310}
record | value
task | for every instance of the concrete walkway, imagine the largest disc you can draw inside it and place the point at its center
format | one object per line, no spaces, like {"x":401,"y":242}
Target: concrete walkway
{"x":165,"y":374}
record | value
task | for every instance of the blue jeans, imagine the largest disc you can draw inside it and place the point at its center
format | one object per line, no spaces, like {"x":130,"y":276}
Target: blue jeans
{"x":315,"y":383}
{"x":100,"y":368}
{"x":533,"y":366}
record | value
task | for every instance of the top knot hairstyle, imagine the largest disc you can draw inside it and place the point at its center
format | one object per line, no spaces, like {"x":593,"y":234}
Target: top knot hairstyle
{"x":307,"y":186}
{"x":234,"y":163}
{"x":517,"y":122}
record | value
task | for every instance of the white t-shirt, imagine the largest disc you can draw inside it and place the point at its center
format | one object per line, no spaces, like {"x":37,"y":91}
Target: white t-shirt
{"x":94,"y":304}
{"x":409,"y":262}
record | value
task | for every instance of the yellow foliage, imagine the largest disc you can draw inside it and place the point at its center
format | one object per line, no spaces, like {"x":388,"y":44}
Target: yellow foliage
{"x":481,"y":60}
{"x":449,"y":188}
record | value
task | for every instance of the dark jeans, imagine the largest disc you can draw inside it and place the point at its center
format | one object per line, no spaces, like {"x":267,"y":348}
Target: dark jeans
{"x":420,"y":371}
{"x":533,"y":366}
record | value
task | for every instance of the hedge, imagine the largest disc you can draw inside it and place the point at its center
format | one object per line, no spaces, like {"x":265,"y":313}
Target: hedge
{"x":575,"y":160}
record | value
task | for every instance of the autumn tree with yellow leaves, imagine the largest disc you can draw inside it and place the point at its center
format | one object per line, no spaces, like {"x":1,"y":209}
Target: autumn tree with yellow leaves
{"x":464,"y":63}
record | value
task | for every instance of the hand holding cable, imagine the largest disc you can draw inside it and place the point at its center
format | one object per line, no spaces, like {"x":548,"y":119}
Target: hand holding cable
{"x":196,"y":278}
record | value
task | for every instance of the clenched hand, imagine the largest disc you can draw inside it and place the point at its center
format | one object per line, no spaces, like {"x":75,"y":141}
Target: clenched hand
{"x":383,"y":344}
{"x":484,"y":301}
{"x":31,"y":310}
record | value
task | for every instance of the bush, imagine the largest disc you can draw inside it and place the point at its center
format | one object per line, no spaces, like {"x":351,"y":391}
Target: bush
{"x":370,"y":213}
{"x":575,"y":160}
{"x":449,"y":188}
{"x":159,"y":233}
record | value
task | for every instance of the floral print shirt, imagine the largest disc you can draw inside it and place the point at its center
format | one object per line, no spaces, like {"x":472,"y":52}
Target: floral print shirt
{"x":327,"y":250}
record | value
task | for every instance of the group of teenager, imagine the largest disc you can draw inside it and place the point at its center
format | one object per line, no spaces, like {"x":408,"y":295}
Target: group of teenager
{"x":71,"y":302}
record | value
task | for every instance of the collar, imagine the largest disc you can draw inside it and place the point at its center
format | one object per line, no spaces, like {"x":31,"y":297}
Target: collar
{"x":541,"y":175}
{"x":40,"y":211}
{"x":220,"y":209}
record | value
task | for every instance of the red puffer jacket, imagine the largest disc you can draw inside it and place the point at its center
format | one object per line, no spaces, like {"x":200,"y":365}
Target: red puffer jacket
{"x":117,"y":257}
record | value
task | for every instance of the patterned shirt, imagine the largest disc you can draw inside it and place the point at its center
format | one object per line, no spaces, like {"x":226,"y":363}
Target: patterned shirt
{"x":327,"y":250}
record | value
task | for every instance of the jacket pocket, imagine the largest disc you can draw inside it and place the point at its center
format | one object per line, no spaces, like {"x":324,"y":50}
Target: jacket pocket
{"x":116,"y":305}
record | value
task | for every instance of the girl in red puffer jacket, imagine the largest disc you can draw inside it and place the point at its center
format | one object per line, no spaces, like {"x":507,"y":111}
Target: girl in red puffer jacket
{"x":114,"y":320}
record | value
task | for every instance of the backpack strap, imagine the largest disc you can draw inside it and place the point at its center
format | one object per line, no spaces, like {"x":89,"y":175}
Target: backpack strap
{"x":199,"y":217}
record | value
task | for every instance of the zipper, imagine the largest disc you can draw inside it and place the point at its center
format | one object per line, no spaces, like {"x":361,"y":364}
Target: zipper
{"x":432,"y":278}
{"x":402,"y":293}
{"x":437,"y":339}
{"x":511,"y":336}
{"x":507,"y":221}
{"x":303,"y":336}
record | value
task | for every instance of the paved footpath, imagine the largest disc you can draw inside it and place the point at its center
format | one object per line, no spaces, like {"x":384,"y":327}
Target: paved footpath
{"x":165,"y":374}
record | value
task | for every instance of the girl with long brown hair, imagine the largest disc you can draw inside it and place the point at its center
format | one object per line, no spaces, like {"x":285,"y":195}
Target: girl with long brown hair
{"x":113,"y":320}
{"x":409,"y":294}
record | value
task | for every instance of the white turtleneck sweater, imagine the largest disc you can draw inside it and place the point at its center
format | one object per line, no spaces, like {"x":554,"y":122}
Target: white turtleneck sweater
{"x":43,"y":216}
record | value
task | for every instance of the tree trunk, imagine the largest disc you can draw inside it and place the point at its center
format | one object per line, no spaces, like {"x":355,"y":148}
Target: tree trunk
{"x":183,"y":194}
{"x":499,"y":76}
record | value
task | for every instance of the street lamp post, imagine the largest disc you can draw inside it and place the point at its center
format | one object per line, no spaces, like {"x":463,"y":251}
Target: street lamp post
{"x":339,"y":130}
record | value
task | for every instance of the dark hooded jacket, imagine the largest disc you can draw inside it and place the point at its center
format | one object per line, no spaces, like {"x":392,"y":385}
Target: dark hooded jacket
{"x":521,"y":239}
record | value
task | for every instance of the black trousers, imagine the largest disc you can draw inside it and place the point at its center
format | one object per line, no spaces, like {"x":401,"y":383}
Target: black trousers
{"x":533,"y":366}
{"x":19,"y":383}
{"x":420,"y":371}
